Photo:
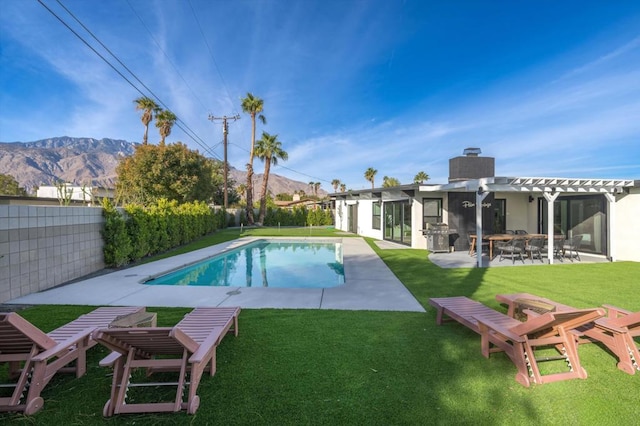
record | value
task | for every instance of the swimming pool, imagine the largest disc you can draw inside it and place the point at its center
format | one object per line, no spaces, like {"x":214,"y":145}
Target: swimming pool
{"x":265,"y":263}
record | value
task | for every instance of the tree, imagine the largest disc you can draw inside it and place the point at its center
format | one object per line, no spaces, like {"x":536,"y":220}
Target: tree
{"x":173,"y":172}
{"x":148,"y":108}
{"x":335,"y":183}
{"x":343,"y":187}
{"x":388,"y":182}
{"x":242,"y":190}
{"x":252,"y":106}
{"x":165,"y":120}
{"x":218,"y":184}
{"x":370,"y":175}
{"x":420,"y":177}
{"x":10,"y":186}
{"x":316,"y":187}
{"x":269,"y":149}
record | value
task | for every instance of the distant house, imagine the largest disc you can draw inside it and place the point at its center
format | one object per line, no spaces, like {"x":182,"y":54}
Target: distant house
{"x":603,"y":211}
{"x":86,"y":194}
{"x":297,"y":202}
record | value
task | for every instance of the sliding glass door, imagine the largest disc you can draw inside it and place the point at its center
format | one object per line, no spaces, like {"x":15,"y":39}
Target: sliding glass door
{"x":579,"y":215}
{"x":397,"y":221}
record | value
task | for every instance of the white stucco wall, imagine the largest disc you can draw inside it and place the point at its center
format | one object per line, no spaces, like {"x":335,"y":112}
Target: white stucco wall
{"x":519,"y":211}
{"x":627,"y":226}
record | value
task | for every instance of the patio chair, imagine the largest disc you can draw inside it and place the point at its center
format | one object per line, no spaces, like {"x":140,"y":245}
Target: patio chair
{"x":34,"y":357}
{"x":515,"y":248}
{"x":521,"y":232}
{"x":519,"y":340}
{"x":570,"y":247}
{"x":187,"y":349}
{"x":558,"y":244}
{"x":484,"y":245}
{"x":616,"y":331}
{"x":534,"y":248}
{"x":510,"y":232}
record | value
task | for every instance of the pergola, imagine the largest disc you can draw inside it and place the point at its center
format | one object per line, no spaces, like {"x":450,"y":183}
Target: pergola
{"x":550,"y":188}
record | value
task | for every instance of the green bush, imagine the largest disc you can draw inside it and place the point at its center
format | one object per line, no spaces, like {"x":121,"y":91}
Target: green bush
{"x":156,"y":228}
{"x":117,"y":244}
{"x":139,"y":229}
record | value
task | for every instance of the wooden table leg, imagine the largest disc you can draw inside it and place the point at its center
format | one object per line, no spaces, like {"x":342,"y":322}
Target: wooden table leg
{"x":472,"y":246}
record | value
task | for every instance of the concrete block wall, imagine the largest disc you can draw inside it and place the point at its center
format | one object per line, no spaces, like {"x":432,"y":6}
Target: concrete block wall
{"x":45,"y":246}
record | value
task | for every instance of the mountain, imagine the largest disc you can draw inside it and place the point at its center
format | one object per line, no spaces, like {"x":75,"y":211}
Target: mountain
{"x":88,"y":161}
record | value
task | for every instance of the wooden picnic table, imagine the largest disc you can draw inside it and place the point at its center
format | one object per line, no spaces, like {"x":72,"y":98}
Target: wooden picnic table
{"x":502,"y":237}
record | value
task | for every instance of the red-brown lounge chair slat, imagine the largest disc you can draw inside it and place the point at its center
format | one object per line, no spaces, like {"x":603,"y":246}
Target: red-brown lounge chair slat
{"x":519,"y":340}
{"x":616,"y":331}
{"x":188,"y":349}
{"x":34,"y":357}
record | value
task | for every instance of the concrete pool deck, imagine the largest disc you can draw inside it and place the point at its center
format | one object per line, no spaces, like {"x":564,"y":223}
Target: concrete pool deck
{"x":369,"y":285}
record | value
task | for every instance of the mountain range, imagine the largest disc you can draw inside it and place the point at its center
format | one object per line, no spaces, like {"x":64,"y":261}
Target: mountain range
{"x":93,"y":162}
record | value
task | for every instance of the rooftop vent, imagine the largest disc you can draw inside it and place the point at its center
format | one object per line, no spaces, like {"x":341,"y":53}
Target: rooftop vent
{"x":472,"y":152}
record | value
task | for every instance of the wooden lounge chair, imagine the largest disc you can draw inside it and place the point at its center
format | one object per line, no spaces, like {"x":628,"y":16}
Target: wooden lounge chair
{"x":616,"y":331}
{"x":519,"y":340}
{"x":34,"y":357}
{"x":188,"y":348}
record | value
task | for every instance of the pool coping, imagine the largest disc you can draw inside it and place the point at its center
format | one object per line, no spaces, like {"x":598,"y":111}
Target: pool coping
{"x":369,"y":285}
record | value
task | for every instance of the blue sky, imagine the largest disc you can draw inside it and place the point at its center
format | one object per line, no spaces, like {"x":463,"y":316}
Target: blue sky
{"x":548,"y":88}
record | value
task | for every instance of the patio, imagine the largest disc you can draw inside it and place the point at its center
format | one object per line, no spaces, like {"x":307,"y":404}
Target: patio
{"x":462,"y":259}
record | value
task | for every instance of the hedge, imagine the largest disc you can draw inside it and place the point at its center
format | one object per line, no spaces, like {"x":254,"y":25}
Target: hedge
{"x":137,"y":231}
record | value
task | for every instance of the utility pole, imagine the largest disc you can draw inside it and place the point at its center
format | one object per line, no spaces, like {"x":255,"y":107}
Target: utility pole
{"x":225,"y":131}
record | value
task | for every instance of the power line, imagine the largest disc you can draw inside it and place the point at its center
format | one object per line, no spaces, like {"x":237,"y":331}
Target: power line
{"x":224,"y":84}
{"x":225,"y":131}
{"x":192,"y":135}
{"x":288,"y":168}
{"x":165,"y":54}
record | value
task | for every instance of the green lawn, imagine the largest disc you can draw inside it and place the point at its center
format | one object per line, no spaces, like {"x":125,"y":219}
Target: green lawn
{"x":296,"y":367}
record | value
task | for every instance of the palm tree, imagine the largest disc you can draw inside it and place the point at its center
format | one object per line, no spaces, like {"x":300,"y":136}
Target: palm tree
{"x":311,"y":186}
{"x":370,"y":175}
{"x":165,"y":120}
{"x":343,"y":187}
{"x":149,"y":107}
{"x":252,"y":106}
{"x":268,"y":149}
{"x":316,"y":187}
{"x":389,"y":182}
{"x":420,"y":177}
{"x":335,"y":183}
{"x":242,"y":190}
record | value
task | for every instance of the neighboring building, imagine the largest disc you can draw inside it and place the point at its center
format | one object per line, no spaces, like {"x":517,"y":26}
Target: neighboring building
{"x":68,"y":191}
{"x":603,"y":211}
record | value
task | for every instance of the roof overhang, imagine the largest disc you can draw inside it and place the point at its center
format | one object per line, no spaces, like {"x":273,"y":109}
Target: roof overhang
{"x":534,"y":184}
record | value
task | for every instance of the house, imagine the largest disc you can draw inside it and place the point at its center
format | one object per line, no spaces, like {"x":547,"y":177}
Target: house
{"x":68,"y":192}
{"x":603,"y":211}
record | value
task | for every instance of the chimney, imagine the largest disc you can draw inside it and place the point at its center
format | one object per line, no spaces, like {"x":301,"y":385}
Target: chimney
{"x":471,"y":166}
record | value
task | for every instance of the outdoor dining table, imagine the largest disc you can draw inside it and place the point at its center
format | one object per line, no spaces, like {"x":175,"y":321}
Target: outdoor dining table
{"x":500,"y":237}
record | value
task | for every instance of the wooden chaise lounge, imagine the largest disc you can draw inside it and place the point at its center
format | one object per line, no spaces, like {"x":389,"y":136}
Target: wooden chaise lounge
{"x":519,"y":340}
{"x":616,"y":331}
{"x":34,"y":357}
{"x":188,"y":349}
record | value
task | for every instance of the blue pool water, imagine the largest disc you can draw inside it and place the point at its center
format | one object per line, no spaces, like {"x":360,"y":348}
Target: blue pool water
{"x":264,"y":263}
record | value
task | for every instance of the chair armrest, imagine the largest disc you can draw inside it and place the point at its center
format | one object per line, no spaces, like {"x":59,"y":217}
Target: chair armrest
{"x":110,"y":359}
{"x":500,"y":329}
{"x":206,"y":348}
{"x":614,"y":311}
{"x":64,"y":345}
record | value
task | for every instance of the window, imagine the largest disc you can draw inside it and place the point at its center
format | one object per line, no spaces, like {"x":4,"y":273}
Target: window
{"x":431,"y":211}
{"x":375,"y":220}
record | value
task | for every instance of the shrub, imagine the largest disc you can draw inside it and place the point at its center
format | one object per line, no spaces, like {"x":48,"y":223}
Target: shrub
{"x":117,"y":244}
